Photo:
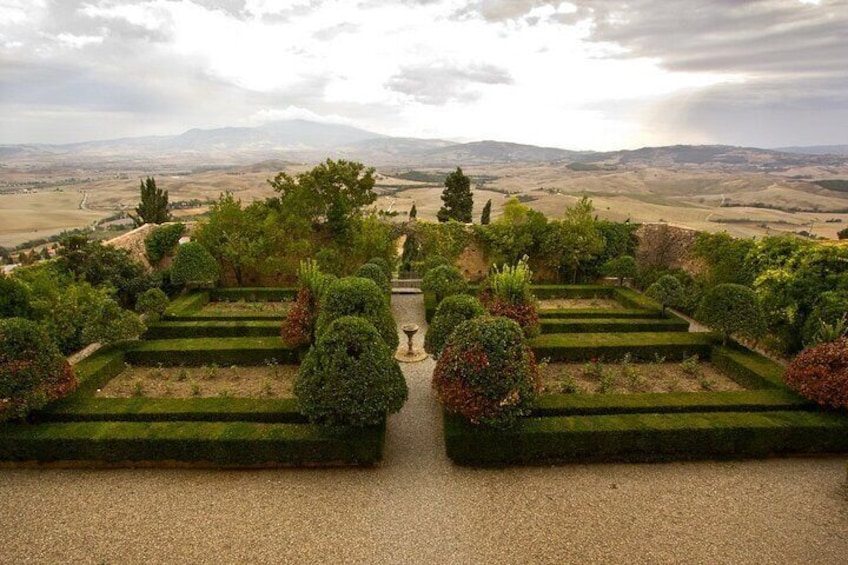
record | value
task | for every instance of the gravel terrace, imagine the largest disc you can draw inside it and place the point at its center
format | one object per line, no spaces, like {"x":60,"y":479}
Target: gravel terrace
{"x":419,"y":508}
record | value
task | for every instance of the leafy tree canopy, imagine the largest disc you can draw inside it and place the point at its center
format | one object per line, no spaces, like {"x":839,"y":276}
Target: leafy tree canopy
{"x":457,"y":199}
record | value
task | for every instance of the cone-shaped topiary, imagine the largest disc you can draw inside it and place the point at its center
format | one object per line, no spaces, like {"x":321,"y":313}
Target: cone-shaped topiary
{"x":355,"y":296}
{"x":820,"y":373}
{"x":350,"y":377}
{"x":451,"y":312}
{"x":486,"y":372}
{"x":376,"y":274}
{"x":32,"y":370}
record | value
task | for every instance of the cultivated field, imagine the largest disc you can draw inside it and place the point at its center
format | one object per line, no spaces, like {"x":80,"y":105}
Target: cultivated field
{"x":744,"y":204}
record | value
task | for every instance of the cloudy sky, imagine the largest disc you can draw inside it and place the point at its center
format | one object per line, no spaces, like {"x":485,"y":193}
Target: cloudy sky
{"x":600,"y":74}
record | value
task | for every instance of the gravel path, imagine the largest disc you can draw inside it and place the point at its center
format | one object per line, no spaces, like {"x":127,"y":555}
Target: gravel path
{"x":418,"y":508}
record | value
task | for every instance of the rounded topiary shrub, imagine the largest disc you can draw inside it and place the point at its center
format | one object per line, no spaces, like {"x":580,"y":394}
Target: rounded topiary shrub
{"x":32,"y":370}
{"x":444,"y":281}
{"x":384,"y":265}
{"x":820,"y":373}
{"x":350,"y":377}
{"x":194,"y":266}
{"x":152,"y":302}
{"x":486,"y":372}
{"x":14,"y":298}
{"x":355,"y":296}
{"x":451,"y":312}
{"x":376,"y":274}
{"x":731,"y":309}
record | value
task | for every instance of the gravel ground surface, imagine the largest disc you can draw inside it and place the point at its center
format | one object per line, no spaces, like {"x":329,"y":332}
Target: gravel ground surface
{"x":418,"y":508}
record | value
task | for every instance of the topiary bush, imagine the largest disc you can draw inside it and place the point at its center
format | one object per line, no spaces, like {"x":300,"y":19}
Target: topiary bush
{"x":667,"y":291}
{"x":384,"y":265}
{"x":487,"y":373}
{"x":444,"y":281}
{"x":731,"y":309}
{"x":14,"y":299}
{"x":152,"y":302}
{"x":350,"y":377}
{"x":820,"y":373}
{"x":451,"y":312}
{"x":376,"y":274}
{"x":622,"y":267}
{"x":355,"y":296}
{"x":194,"y":266}
{"x":32,"y":370}
{"x":162,"y":240}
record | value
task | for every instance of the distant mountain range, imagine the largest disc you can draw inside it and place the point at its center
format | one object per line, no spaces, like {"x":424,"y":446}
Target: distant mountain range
{"x":306,"y":141}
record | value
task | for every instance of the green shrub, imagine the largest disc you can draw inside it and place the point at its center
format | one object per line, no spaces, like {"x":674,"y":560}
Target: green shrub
{"x":384,"y":265}
{"x":667,"y":291}
{"x":194,"y":266}
{"x":486,"y":372}
{"x":110,"y":323}
{"x":14,"y":299}
{"x":152,"y":302}
{"x":623,"y":267}
{"x":350,"y":376}
{"x":376,"y":274}
{"x":444,"y":281}
{"x":827,"y":320}
{"x":32,"y":370}
{"x":820,"y":373}
{"x":162,"y":241}
{"x":354,"y":296}
{"x":507,"y":293}
{"x":452,"y":311}
{"x":731,"y":308}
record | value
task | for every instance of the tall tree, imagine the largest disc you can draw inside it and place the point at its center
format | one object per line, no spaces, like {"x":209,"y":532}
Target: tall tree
{"x":486,"y":216}
{"x":457,"y":198}
{"x":153,"y":208}
{"x":413,"y":212}
{"x":332,"y":193}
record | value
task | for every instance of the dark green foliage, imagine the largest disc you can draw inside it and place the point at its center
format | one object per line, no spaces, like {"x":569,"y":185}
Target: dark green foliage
{"x":623,"y":267}
{"x":593,"y":325}
{"x":667,"y":291}
{"x":413,"y":212}
{"x":842,"y":234}
{"x":216,"y":328}
{"x":32,"y":370}
{"x":194,"y":266}
{"x":827,"y":316}
{"x":384,"y":265}
{"x":162,"y":241}
{"x":520,"y":231}
{"x":726,"y":257}
{"x":820,"y":373}
{"x":354,"y":296}
{"x":486,"y":373}
{"x":486,"y":216}
{"x":332,"y":193}
{"x":350,"y":377}
{"x":152,"y":302}
{"x":444,"y":281}
{"x":731,"y":309}
{"x":103,"y":266}
{"x":452,"y":311}
{"x":457,"y":199}
{"x":153,"y":208}
{"x":376,"y":274}
{"x":14,"y":299}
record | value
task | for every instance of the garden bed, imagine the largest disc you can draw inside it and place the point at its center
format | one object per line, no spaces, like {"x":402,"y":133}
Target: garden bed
{"x":579,"y":304}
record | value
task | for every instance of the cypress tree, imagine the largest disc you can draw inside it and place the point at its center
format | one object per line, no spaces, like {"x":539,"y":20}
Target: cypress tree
{"x":486,"y":217}
{"x":457,"y":198}
{"x":153,"y":208}
{"x":413,"y":212}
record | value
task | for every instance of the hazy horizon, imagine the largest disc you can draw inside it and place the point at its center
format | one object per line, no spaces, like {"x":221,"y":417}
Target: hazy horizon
{"x":575,"y":75}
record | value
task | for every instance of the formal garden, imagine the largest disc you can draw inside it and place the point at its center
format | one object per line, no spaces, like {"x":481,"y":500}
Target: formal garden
{"x":268,"y":339}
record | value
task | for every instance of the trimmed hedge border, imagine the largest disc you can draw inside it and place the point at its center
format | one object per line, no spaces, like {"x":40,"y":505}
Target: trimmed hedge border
{"x":596,"y":325}
{"x":647,"y":437}
{"x":218,"y":328}
{"x":613,"y":346}
{"x":235,"y":432}
{"x":204,"y":351}
{"x":254,"y":294}
{"x":241,"y":444}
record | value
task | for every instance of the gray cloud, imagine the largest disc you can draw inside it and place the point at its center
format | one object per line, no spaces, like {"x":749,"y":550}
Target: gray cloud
{"x":441,"y":84}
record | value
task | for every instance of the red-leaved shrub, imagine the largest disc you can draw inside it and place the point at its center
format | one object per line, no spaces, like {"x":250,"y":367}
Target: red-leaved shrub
{"x":486,"y":372}
{"x":820,"y":373}
{"x":299,"y":326}
{"x":524,"y":314}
